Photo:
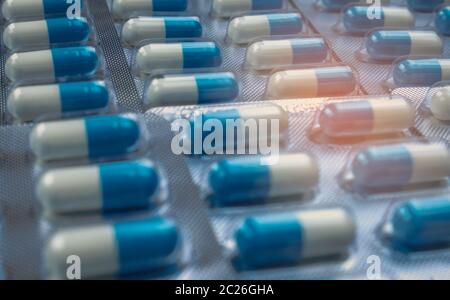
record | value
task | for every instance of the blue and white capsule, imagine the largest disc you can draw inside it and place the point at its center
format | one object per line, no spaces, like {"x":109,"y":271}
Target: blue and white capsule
{"x":442,"y":21}
{"x":102,"y":188}
{"x":421,"y":225}
{"x":38,"y":9}
{"x":248,"y":28}
{"x":356,"y":21}
{"x":23,"y":36}
{"x":257,"y":180}
{"x":131,"y":8}
{"x":424,"y":6}
{"x":289,"y":238}
{"x":267,"y":55}
{"x":400,"y":165}
{"x":192,"y":89}
{"x":335,"y":5}
{"x":308,"y":83}
{"x":26,"y":103}
{"x":115,"y":249}
{"x":91,"y":137}
{"x":366,"y":117}
{"x":391,"y":44}
{"x":178,"y":56}
{"x":137,"y":30}
{"x":229,"y":8}
{"x":421,"y":72}
{"x":57,"y":64}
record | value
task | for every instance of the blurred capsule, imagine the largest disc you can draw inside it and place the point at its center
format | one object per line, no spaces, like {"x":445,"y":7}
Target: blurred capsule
{"x":421,"y":72}
{"x":128,"y":8}
{"x":424,"y":5}
{"x":228,"y":8}
{"x":442,"y":21}
{"x":440,"y":104}
{"x":37,"y":9}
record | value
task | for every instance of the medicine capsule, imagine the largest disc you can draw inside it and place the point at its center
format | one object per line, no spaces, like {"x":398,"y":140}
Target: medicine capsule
{"x":289,"y":238}
{"x":440,"y":104}
{"x":336,"y":5}
{"x":255,"y":180}
{"x":91,"y":137}
{"x":269,"y":54}
{"x":137,"y":30}
{"x":317,"y":82}
{"x":115,"y":249}
{"x":421,"y":225}
{"x":421,"y":72}
{"x":52,"y":65}
{"x":26,"y":103}
{"x":389,"y":45}
{"x":196,"y":89}
{"x":105,"y":187}
{"x":424,"y":5}
{"x":366,"y":117}
{"x":39,"y":9}
{"x":248,"y":28}
{"x":355,"y":18}
{"x":127,"y":8}
{"x":228,"y":8}
{"x":22,"y":36}
{"x":178,"y":56}
{"x":400,"y":165}
{"x":442,"y":21}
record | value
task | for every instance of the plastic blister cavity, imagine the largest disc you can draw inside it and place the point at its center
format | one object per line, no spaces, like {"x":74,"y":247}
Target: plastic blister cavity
{"x":437,"y":103}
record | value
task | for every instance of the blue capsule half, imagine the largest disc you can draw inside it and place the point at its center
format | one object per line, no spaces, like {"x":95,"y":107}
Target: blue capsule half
{"x":424,"y":5}
{"x":73,"y":62}
{"x":442,"y":21}
{"x":266,"y":4}
{"x":421,"y":72}
{"x":63,"y":30}
{"x":81,"y":96}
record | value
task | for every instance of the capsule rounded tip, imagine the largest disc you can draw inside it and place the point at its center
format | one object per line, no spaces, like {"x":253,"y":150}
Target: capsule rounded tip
{"x":405,"y":224}
{"x":36,"y":138}
{"x":11,"y":68}
{"x":155,"y":93}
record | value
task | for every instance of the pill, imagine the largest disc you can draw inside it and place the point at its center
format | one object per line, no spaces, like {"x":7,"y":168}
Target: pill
{"x":26,"y":103}
{"x":178,"y":56}
{"x":196,"y":89}
{"x":128,"y":8}
{"x":400,"y":165}
{"x":443,"y":20}
{"x":335,"y":5}
{"x":424,"y":5}
{"x":421,"y":224}
{"x":119,"y":248}
{"x":137,"y":30}
{"x":361,"y":19}
{"x":22,"y":36}
{"x":92,"y":137}
{"x":421,"y":72}
{"x":56,"y":64}
{"x":366,"y":117}
{"x":248,"y":28}
{"x":316,"y":82}
{"x":289,"y":238}
{"x":22,"y":9}
{"x":269,"y":54}
{"x":228,"y":8}
{"x":105,"y":187}
{"x":255,"y":180}
{"x":440,"y":104}
{"x":389,"y":45}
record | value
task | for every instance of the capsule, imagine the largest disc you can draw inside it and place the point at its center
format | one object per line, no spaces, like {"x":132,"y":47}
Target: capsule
{"x":317,"y":82}
{"x":26,"y":103}
{"x":137,"y":30}
{"x":195,"y":89}
{"x":421,"y":225}
{"x":128,"y":8}
{"x":120,"y":248}
{"x":248,"y":28}
{"x":442,"y":21}
{"x":56,"y":64}
{"x":355,"y":18}
{"x":269,"y":54}
{"x":401,"y":165}
{"x":366,"y":117}
{"x":39,"y":9}
{"x":389,"y":45}
{"x":105,"y":187}
{"x":421,"y":72}
{"x":178,"y":56}
{"x":255,"y":180}
{"x":228,"y":8}
{"x":335,"y":5}
{"x":23,"y":36}
{"x":424,"y":5}
{"x":440,"y":104}
{"x":92,"y":137}
{"x":290,"y":238}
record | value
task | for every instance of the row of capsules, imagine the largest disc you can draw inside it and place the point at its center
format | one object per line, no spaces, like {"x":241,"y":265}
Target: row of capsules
{"x":386,"y":160}
{"x":96,"y":186}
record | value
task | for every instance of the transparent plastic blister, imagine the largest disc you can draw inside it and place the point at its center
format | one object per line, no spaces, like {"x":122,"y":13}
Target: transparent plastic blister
{"x":436,"y":105}
{"x":124,"y":9}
